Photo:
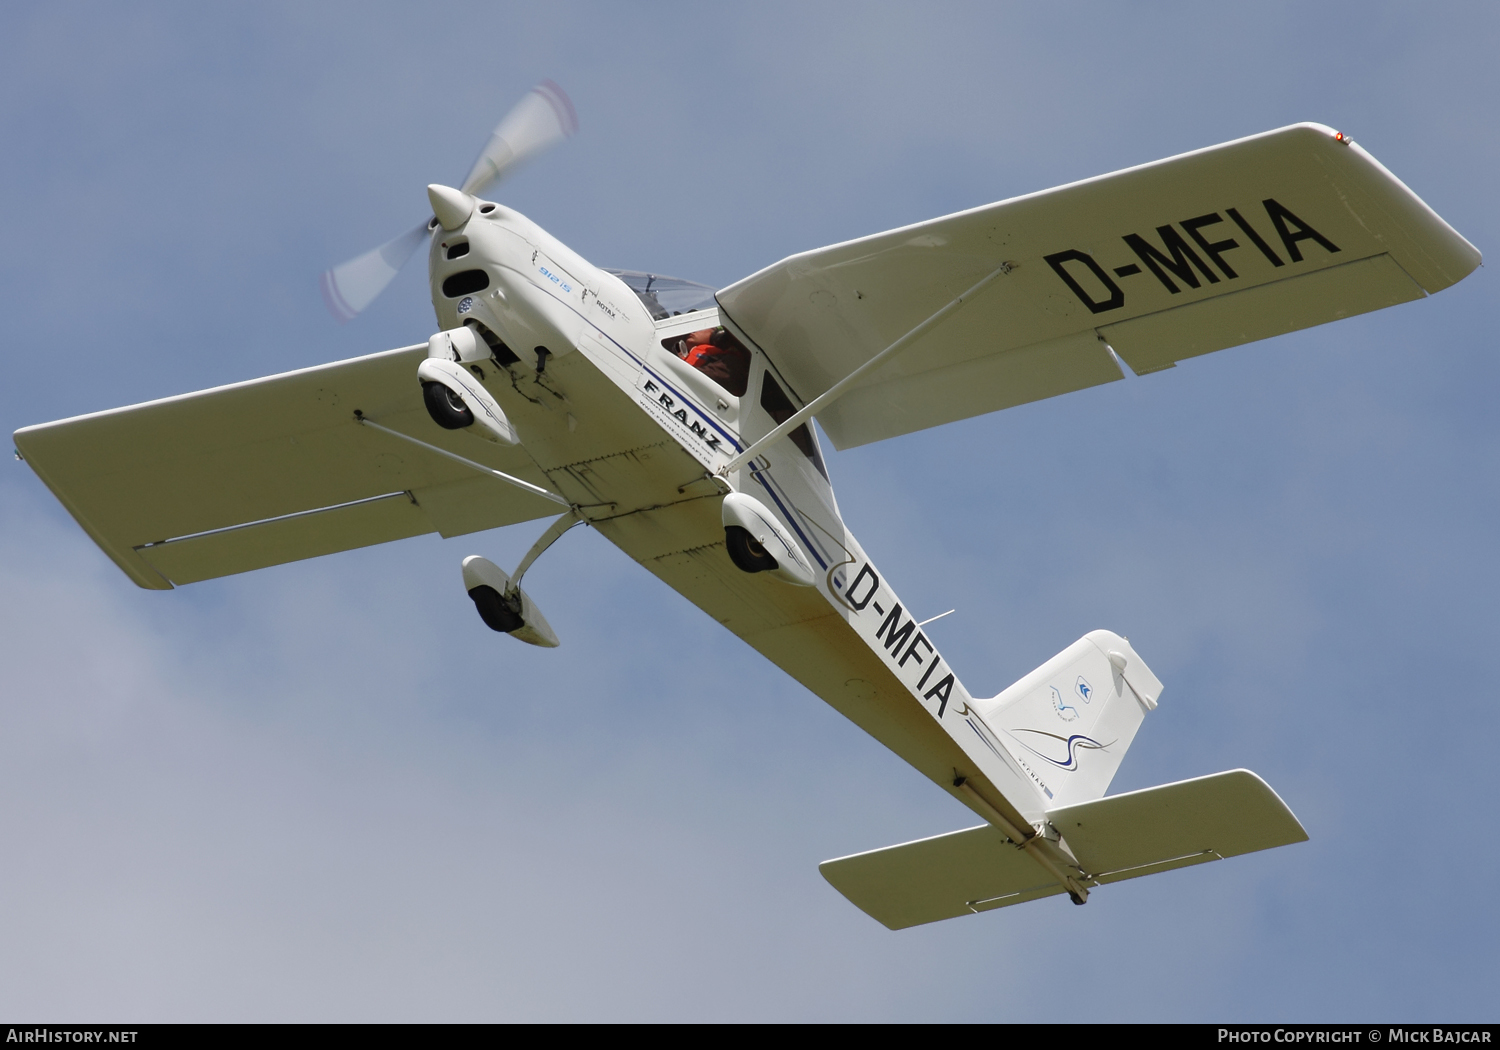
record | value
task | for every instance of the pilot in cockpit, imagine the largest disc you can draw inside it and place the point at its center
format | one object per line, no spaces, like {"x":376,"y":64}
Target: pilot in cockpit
{"x":719,"y":355}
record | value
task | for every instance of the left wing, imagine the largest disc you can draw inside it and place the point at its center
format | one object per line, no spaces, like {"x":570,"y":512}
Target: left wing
{"x":273,"y":470}
{"x":1161,"y":262}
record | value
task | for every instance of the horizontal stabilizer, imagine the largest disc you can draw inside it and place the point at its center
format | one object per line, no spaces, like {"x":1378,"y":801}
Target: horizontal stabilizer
{"x":960,"y":873}
{"x":1115,"y":838}
{"x":1207,"y":818}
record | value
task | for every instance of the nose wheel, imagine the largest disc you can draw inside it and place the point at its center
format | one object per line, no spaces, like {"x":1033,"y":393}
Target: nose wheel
{"x":445,"y":407}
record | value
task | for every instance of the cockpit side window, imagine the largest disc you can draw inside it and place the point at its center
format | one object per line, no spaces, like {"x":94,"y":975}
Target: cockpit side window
{"x":780,"y":408}
{"x":717,"y":354}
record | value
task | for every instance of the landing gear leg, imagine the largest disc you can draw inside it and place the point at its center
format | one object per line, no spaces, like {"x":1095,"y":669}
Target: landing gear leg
{"x":552,"y":535}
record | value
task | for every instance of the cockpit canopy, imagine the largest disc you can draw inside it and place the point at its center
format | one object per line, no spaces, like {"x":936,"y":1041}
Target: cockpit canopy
{"x":667,"y":296}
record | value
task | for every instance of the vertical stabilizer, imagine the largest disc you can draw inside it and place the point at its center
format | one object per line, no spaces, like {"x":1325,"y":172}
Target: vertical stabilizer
{"x":1072,"y":719}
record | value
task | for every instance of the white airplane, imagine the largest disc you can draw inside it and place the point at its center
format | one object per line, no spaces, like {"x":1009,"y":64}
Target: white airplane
{"x":676,"y":421}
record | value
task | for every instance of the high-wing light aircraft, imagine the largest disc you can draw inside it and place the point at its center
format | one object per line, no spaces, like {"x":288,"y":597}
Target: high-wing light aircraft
{"x":676,"y":421}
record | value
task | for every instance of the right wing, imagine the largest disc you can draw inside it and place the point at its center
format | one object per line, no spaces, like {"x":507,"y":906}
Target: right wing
{"x":1161,"y":262}
{"x":273,"y":470}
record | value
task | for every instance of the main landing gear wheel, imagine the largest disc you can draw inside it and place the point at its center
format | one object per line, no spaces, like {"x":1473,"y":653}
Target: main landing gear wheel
{"x":745,"y":551}
{"x":445,"y":407}
{"x":494,"y":610}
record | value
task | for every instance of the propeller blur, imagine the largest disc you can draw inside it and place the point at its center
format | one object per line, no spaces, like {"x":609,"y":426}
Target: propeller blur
{"x":542,"y":119}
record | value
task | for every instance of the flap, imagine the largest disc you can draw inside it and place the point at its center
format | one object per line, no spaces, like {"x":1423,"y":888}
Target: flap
{"x":182,"y":477}
{"x":1085,"y":261}
{"x":1206,"y":818}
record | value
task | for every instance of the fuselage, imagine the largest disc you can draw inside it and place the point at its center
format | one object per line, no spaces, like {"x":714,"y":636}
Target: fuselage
{"x":634,"y":436}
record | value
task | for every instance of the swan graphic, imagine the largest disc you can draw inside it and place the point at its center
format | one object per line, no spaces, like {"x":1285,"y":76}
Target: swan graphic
{"x":1064,"y":711}
{"x":1073,"y":744}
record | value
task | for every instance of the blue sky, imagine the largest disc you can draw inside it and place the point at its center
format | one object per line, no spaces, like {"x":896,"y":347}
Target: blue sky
{"x":326,"y":792}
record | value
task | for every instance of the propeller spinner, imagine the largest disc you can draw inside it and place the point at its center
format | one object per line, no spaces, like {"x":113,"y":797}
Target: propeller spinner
{"x":543,"y":118}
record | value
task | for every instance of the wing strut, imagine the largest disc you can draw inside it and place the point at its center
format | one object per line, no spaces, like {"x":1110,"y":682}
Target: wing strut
{"x":817,"y":404}
{"x":360,"y":418}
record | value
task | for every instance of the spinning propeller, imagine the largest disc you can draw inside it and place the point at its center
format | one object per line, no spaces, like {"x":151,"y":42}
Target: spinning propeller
{"x":543,"y":118}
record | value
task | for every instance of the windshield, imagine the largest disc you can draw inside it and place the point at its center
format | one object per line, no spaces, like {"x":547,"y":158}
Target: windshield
{"x":667,"y":296}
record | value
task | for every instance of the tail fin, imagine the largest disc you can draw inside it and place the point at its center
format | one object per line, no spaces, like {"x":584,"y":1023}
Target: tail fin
{"x":1072,"y":719}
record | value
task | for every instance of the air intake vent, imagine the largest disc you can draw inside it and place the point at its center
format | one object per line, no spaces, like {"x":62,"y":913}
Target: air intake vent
{"x":466,"y":283}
